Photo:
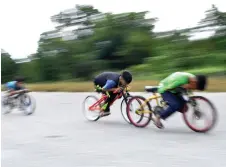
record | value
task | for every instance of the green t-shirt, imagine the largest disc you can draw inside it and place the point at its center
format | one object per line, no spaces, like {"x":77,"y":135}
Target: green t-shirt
{"x":173,"y":81}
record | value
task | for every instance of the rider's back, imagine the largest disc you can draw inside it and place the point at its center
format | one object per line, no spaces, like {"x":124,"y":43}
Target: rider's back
{"x":102,"y":78}
{"x":11,"y":85}
{"x":174,"y":80}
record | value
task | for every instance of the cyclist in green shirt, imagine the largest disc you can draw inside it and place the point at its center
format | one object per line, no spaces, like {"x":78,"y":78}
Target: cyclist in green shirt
{"x":175,"y":102}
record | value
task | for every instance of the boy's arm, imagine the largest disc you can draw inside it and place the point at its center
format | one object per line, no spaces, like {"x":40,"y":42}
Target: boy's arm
{"x":13,"y":92}
{"x":186,"y":86}
{"x":109,"y":86}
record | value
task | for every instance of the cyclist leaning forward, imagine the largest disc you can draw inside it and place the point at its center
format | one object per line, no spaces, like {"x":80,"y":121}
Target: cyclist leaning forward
{"x":108,"y":82}
{"x":175,"y":101}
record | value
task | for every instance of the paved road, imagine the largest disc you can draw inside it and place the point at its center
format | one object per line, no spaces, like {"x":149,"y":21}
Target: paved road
{"x":57,"y":135}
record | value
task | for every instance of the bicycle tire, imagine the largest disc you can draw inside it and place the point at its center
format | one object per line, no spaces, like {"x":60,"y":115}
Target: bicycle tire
{"x":214,"y":113}
{"x":141,"y":98}
{"x":98,"y":116}
{"x":125,"y":117}
{"x":5,"y":109}
{"x":32,"y":104}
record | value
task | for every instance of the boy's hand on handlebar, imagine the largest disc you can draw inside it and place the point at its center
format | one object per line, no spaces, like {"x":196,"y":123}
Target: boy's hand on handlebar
{"x":119,"y":89}
{"x":128,"y":88}
{"x":98,"y":89}
{"x":26,"y":90}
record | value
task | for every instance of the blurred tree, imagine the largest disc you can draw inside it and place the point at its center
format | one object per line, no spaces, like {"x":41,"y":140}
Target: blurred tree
{"x":9,"y":67}
{"x":30,"y":70}
{"x":66,"y":51}
{"x":127,"y":37}
{"x":215,"y":19}
{"x":105,"y":41}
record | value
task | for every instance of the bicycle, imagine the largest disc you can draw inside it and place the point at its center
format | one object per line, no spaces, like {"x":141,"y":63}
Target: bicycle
{"x":22,"y":100}
{"x":96,"y":105}
{"x":190,"y":99}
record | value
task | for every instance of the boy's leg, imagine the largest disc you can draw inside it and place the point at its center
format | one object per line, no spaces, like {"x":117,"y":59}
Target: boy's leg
{"x":174,"y":104}
{"x":109,"y":101}
{"x":106,"y":106}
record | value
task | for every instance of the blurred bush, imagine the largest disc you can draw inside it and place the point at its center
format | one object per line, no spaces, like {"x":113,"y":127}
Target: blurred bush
{"x":121,"y":41}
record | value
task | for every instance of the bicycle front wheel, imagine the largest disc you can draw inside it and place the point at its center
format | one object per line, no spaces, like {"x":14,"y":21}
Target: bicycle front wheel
{"x":27,"y":104}
{"x":203,"y":119}
{"x":134,"y":109}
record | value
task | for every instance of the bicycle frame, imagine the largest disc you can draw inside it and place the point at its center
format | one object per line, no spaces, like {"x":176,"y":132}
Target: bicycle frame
{"x":14,"y":99}
{"x":155,"y":97}
{"x":96,"y":106}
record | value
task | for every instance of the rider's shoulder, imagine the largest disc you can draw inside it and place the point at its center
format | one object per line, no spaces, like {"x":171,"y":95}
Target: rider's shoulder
{"x":182,"y":73}
{"x":11,"y":82}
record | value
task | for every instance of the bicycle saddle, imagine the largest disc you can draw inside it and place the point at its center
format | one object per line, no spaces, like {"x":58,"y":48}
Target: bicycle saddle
{"x":152,"y":89}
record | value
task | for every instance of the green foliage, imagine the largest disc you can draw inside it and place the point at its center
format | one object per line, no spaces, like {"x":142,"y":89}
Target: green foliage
{"x":50,"y":68}
{"x":8,"y":69}
{"x":123,"y":41}
{"x":30,"y":70}
{"x":119,"y":41}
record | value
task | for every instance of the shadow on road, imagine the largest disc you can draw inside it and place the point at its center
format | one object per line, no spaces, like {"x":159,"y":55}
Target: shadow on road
{"x":110,"y":123}
{"x":14,"y":114}
{"x":182,"y":131}
{"x":148,"y":130}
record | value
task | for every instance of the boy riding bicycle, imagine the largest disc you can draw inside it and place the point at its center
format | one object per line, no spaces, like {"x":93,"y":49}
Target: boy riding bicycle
{"x":176,"y":102}
{"x":14,"y":87}
{"x":109,"y":82}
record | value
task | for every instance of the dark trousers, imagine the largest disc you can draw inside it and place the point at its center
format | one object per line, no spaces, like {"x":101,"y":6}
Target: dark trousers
{"x":175,"y":103}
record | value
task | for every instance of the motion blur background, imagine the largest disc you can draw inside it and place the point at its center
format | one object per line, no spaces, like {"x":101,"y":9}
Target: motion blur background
{"x":95,"y":41}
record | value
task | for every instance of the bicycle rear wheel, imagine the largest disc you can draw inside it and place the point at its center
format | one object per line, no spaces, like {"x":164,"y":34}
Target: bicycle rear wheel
{"x":124,"y":112}
{"x":5,"y":106}
{"x":132,"y":108}
{"x":27,"y":104}
{"x":198,"y":115}
{"x":91,"y":115}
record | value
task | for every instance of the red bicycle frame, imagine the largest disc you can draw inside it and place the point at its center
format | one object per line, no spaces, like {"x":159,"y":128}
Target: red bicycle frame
{"x":96,"y":106}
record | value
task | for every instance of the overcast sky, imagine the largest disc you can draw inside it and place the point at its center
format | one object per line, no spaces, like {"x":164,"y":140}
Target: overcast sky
{"x":23,"y":21}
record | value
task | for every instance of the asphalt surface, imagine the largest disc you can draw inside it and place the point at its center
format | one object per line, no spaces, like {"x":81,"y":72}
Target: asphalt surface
{"x":58,"y":135}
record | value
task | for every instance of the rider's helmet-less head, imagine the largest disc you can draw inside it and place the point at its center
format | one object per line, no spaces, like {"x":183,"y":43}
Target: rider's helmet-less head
{"x":201,"y":82}
{"x":20,"y":79}
{"x":127,"y":76}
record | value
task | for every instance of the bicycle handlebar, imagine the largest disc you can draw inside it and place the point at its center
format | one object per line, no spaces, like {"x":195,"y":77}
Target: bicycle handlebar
{"x":127,"y":88}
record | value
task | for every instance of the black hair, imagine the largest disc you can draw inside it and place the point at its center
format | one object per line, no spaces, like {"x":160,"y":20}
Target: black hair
{"x":127,"y":76}
{"x":201,"y":82}
{"x":19,"y":79}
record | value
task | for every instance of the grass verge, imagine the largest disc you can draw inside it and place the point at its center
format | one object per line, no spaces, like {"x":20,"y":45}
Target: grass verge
{"x":215,"y":85}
